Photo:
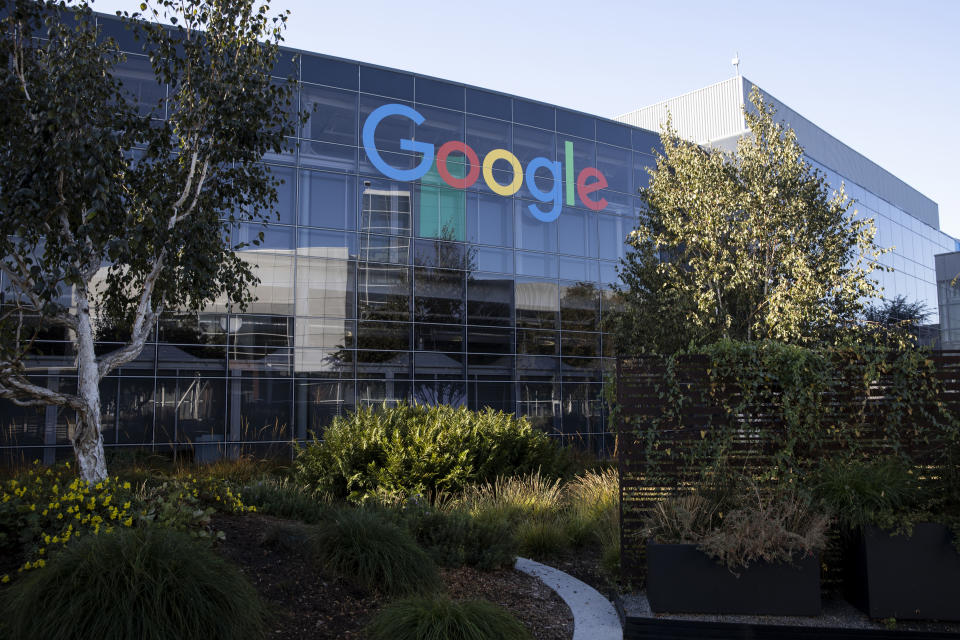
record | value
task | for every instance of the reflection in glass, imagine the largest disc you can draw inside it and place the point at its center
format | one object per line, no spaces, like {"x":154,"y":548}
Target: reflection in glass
{"x":490,"y":220}
{"x":386,"y":389}
{"x":382,"y":336}
{"x":383,"y":292}
{"x":318,"y":402}
{"x":328,"y":200}
{"x":537,"y":304}
{"x":489,"y":340}
{"x":386,"y":249}
{"x":579,"y":306}
{"x":498,"y":396}
{"x":333,"y":114}
{"x":439,"y":295}
{"x":429,"y":365}
{"x":326,"y":287}
{"x":438,"y":337}
{"x":385,"y":207}
{"x":542,"y":343}
{"x":539,"y":401}
{"x":441,"y":390}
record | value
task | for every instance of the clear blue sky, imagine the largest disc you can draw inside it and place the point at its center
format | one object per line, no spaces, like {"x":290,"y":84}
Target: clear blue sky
{"x":883,"y":76}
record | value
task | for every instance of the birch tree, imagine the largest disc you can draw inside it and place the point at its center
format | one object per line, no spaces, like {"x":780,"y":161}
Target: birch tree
{"x":749,"y":245}
{"x":112,"y":210}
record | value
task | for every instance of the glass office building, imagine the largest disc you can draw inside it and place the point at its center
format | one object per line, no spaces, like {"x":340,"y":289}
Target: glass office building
{"x":375,"y":289}
{"x":475,"y":271}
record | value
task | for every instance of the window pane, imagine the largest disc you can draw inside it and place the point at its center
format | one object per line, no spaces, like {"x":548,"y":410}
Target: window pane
{"x":317,"y":403}
{"x":490,"y":220}
{"x":439,"y":295}
{"x":332,"y":115}
{"x":537,"y":304}
{"x":539,"y":343}
{"x":615,"y":164}
{"x":328,"y":200}
{"x":326,"y":287}
{"x":532,"y":233}
{"x":385,"y":207}
{"x":439,"y":93}
{"x":383,"y":292}
{"x":490,"y":299}
{"x":579,"y":307}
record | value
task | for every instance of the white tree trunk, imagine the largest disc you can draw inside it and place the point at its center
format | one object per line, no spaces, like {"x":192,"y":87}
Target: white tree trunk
{"x":87,"y":439}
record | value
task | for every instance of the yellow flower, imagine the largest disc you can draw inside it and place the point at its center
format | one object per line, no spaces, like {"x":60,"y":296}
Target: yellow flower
{"x":5,"y":579}
{"x":128,"y":522}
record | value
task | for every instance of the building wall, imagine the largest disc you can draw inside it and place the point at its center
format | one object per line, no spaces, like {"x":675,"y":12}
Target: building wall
{"x":948,"y":287}
{"x":375,"y":290}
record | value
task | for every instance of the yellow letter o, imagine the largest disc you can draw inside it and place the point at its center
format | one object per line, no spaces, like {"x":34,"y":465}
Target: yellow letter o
{"x":497,"y":188}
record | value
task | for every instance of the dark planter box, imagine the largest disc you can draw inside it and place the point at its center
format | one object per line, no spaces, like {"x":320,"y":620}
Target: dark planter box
{"x":915,"y":577}
{"x":683,"y":579}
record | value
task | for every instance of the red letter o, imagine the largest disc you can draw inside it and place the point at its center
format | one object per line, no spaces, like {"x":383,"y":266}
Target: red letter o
{"x":472,"y":174}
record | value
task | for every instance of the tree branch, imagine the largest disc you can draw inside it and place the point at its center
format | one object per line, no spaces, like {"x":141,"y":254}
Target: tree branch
{"x":24,"y":284}
{"x":13,"y":386}
{"x":143,"y":320}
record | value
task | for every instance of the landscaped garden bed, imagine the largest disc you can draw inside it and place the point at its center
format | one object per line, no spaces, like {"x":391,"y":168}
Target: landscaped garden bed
{"x":391,"y":555}
{"x":308,"y":603}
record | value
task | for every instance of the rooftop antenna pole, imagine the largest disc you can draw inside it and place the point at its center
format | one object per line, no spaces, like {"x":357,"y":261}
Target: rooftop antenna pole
{"x":736,"y":62}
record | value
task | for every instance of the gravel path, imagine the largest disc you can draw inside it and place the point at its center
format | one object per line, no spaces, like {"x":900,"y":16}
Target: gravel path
{"x":837,"y":613}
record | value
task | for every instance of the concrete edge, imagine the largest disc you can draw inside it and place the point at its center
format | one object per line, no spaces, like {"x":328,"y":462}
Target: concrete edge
{"x":594,"y":617}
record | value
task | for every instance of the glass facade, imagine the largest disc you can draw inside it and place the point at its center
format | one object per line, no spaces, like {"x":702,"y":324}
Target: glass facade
{"x":912,"y":245}
{"x":376,"y":290}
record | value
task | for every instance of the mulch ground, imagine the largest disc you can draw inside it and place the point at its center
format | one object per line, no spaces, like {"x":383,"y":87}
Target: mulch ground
{"x":308,"y":603}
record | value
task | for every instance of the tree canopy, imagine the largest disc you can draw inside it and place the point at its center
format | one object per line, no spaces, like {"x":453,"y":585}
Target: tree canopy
{"x":748,"y":245}
{"x":114,"y":209}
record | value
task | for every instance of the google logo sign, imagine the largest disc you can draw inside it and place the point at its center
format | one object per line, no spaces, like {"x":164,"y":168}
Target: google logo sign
{"x":587,"y":182}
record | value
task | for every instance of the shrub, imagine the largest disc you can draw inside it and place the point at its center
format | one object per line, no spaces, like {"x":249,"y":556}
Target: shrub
{"x":426,"y":450}
{"x":43,"y":509}
{"x":364,"y":548}
{"x":150,"y":584}
{"x":285,"y":499}
{"x":454,"y":538}
{"x":186,"y":503}
{"x":439,"y":618}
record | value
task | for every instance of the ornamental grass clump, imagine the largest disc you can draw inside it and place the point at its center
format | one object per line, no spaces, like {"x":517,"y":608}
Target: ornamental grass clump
{"x":150,"y":584}
{"x":513,"y":499}
{"x":439,"y":618}
{"x":285,"y":499}
{"x":773,"y":526}
{"x":362,"y":547}
{"x":378,"y":452}
{"x":592,"y":508}
{"x":889,"y":493}
{"x":454,"y":538}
